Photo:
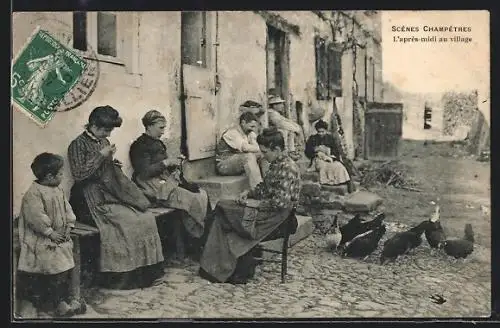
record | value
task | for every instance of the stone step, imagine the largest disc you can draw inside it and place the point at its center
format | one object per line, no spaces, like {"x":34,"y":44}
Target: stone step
{"x":218,"y":187}
{"x":305,"y":229}
{"x":362,"y":201}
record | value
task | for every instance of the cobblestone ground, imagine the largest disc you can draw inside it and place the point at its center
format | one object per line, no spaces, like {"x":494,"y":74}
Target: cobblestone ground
{"x":319,"y":284}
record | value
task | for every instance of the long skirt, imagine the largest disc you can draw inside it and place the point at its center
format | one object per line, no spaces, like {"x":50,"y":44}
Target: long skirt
{"x":129,"y":245}
{"x":166,"y":192}
{"x":129,"y":238}
{"x":332,"y":172}
{"x":235,"y":231}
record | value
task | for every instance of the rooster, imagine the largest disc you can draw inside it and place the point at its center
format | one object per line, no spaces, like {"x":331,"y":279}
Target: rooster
{"x":434,"y":233}
{"x":460,"y":248}
{"x":365,"y":244}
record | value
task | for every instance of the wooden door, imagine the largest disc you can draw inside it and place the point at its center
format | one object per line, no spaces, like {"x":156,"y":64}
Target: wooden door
{"x":383,"y":130}
{"x":199,"y":131}
{"x":199,"y":106}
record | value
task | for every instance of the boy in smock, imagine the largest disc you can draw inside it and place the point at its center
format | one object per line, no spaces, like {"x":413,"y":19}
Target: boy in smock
{"x":46,"y":255}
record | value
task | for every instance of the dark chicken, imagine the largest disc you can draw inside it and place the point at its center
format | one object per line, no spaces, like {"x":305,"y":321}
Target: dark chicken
{"x":356,"y":227}
{"x":460,"y":248}
{"x":364,"y":244}
{"x":403,"y":242}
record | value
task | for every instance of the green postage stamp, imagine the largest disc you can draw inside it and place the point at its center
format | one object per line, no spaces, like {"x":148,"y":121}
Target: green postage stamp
{"x":42,"y":74}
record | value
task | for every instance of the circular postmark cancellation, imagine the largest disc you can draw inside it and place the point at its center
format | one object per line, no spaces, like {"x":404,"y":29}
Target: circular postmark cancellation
{"x":49,"y":76}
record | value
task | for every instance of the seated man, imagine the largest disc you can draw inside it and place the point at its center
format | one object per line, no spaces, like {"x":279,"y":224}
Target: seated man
{"x":238,"y":151}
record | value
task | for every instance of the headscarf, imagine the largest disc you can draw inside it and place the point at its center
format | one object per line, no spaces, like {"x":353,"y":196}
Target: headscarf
{"x":152,"y":117}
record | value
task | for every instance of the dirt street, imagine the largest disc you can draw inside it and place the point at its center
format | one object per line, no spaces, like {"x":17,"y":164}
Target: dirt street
{"x":321,"y":284}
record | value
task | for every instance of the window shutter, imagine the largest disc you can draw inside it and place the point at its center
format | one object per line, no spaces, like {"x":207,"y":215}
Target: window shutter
{"x":321,"y":69}
{"x":335,"y":71}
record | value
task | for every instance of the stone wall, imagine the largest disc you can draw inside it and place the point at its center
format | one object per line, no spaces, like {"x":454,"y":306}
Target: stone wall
{"x":154,"y":84}
{"x":459,"y":110}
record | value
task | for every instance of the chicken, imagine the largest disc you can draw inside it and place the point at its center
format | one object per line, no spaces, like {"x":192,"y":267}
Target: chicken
{"x":460,"y":248}
{"x":349,"y":230}
{"x":403,"y":242}
{"x":356,"y":227}
{"x":365,"y":244}
{"x":434,"y":233}
{"x":333,"y":236}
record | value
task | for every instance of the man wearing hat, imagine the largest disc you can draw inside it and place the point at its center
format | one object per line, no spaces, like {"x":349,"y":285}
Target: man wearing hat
{"x":276,"y":118}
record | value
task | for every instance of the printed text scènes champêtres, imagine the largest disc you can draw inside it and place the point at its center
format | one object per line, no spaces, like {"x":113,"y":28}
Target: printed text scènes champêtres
{"x":426,"y":28}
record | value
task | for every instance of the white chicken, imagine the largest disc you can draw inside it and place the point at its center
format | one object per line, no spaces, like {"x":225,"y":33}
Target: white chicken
{"x":333,"y":236}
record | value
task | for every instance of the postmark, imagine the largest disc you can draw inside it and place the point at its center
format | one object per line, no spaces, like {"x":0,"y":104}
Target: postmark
{"x":57,"y":95}
{"x":43,"y":73}
{"x":87,"y":83}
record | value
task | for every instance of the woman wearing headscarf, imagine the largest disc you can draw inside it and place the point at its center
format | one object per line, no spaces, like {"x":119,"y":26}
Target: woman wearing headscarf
{"x":240,"y":225}
{"x":103,"y":196}
{"x":159,"y":178}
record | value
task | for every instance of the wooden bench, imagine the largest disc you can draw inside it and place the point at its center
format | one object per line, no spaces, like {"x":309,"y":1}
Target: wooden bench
{"x":77,"y":233}
{"x":81,"y":231}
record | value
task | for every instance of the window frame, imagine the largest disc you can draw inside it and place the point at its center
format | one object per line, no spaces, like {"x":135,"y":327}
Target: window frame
{"x":92,"y":40}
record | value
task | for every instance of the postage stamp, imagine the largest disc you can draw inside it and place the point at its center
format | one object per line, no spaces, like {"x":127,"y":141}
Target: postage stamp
{"x":44,"y":72}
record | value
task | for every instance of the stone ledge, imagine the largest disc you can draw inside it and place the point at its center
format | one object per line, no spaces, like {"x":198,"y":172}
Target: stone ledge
{"x":305,"y":229}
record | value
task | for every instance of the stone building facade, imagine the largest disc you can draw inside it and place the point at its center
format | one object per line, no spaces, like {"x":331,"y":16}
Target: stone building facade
{"x":197,"y":68}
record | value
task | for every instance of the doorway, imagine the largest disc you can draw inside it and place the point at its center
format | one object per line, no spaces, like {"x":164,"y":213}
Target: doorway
{"x":198,"y":141}
{"x":278,"y":71}
{"x":277,"y":62}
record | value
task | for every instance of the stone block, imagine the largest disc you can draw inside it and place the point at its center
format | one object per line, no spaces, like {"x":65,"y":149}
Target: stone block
{"x":362,"y":201}
{"x":338,"y":190}
{"x":305,"y":229}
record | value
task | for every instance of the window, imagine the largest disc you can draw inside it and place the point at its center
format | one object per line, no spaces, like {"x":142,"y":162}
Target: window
{"x":328,"y":70}
{"x":361,"y":71}
{"x":321,"y":69}
{"x":106,"y":34}
{"x":335,"y":71}
{"x":194,"y":36}
{"x":276,"y":56}
{"x":99,"y":30}
{"x":80,"y":31}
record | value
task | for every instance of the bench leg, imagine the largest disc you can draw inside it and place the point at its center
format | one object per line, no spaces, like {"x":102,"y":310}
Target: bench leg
{"x":180,"y":248}
{"x":75,"y":273}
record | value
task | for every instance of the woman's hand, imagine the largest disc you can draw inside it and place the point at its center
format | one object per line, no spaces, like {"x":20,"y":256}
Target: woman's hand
{"x":117,"y":163}
{"x":57,"y":237}
{"x":242,"y":198}
{"x":173,"y":162}
{"x":108,"y":150}
{"x":67,"y":233}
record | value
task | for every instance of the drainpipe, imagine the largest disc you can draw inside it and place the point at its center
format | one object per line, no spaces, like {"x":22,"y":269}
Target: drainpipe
{"x":217,"y":81}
